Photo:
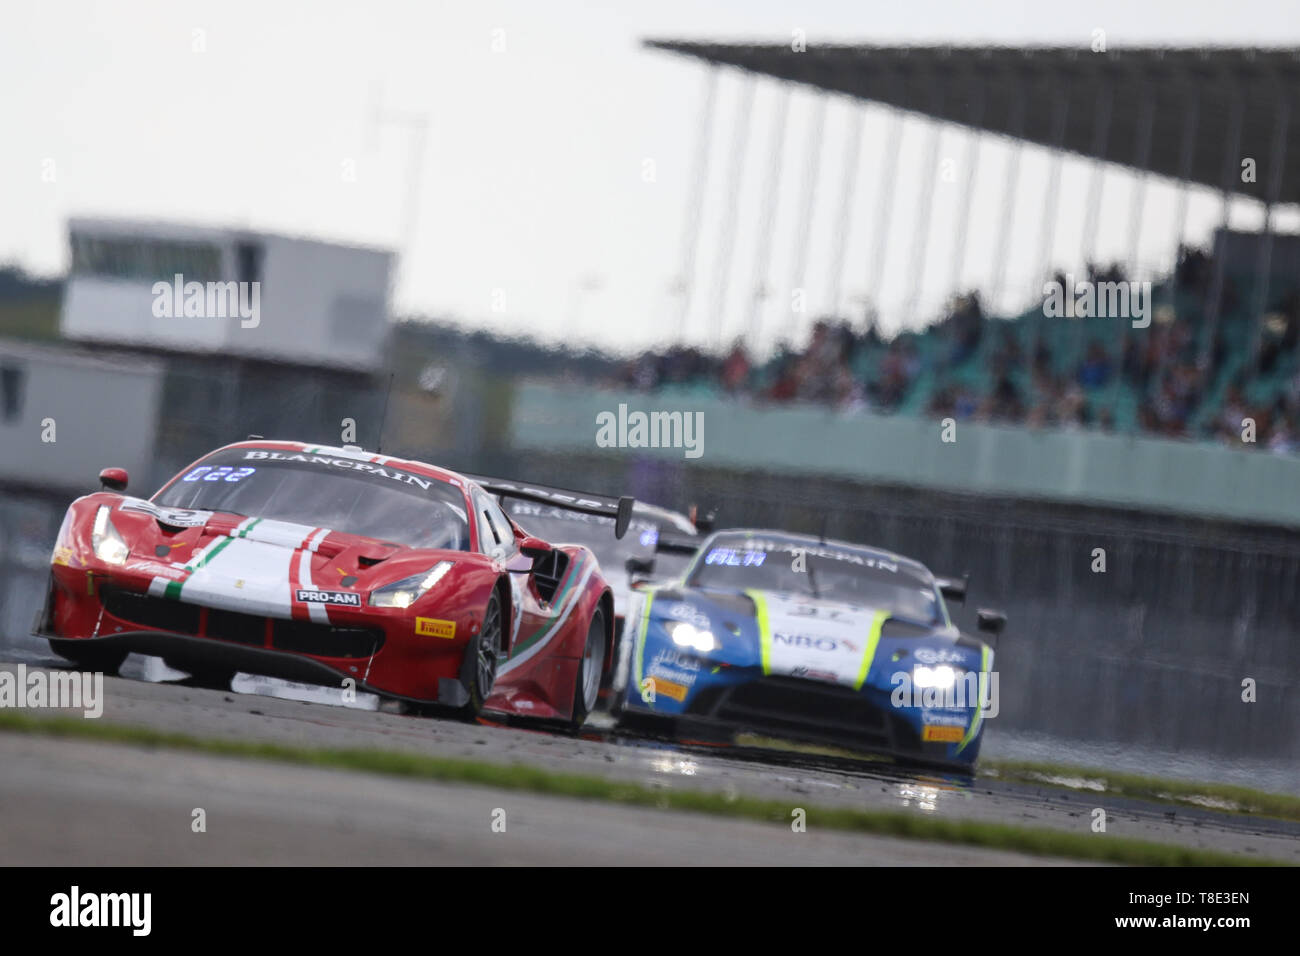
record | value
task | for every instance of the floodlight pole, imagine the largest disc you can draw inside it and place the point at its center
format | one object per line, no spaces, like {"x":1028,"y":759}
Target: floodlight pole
{"x":1051,"y":199}
{"x":925,"y":199}
{"x":1233,"y":148}
{"x":1146,"y":120}
{"x":1096,"y":180}
{"x":727,"y":243}
{"x":417,"y":124}
{"x":812,"y":164}
{"x":1277,"y":157}
{"x":1017,"y":126}
{"x":976,"y":118}
{"x":848,"y":188}
{"x":771,"y":191}
{"x":1186,"y":154}
{"x":1100,"y":144}
{"x":885,"y":201}
{"x":695,"y":198}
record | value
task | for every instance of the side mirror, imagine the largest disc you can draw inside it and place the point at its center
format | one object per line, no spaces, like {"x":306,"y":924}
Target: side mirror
{"x":991,"y":621}
{"x":704,"y":522}
{"x":113,"y":479}
{"x":954,"y":589}
{"x":535,"y":548}
{"x":638,"y":569}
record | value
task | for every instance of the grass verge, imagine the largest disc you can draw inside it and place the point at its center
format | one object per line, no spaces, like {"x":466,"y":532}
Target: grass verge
{"x":1188,"y":793}
{"x":1214,"y":796}
{"x":1040,"y":842}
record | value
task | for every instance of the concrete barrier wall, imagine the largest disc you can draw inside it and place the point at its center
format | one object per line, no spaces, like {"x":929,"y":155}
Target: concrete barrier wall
{"x":1152,"y":650}
{"x":1078,"y":467}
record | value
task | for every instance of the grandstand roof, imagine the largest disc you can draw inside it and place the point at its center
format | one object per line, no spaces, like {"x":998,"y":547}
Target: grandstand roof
{"x":1195,"y":96}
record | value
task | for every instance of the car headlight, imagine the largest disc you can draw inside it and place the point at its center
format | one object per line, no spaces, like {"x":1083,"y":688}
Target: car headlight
{"x":407,"y":591}
{"x":685,"y":634}
{"x":104,"y":538}
{"x":942,"y":676}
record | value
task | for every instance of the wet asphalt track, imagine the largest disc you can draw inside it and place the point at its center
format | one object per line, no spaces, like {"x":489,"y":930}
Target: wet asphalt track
{"x":64,"y":801}
{"x":78,"y":803}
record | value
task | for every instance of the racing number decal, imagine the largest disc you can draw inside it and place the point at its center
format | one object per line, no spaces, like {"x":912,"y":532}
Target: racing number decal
{"x":763,"y":619}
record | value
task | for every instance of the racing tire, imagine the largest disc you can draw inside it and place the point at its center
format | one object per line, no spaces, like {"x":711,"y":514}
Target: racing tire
{"x":478,"y":671}
{"x":591,"y":667}
{"x":90,"y":658}
{"x":607,"y":694}
{"x":916,"y":763}
{"x":638,"y":723}
{"x":646,"y":726}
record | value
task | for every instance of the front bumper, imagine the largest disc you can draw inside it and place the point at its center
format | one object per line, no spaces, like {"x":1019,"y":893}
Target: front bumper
{"x":811,"y":712}
{"x":198,"y":653}
{"x":382,"y":655}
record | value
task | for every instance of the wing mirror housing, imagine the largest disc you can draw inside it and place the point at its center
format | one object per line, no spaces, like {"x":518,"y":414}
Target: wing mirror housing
{"x":704,"y":521}
{"x":535,"y":548}
{"x":639,"y":570}
{"x":954,"y":589}
{"x":990,"y":621}
{"x":113,"y":479}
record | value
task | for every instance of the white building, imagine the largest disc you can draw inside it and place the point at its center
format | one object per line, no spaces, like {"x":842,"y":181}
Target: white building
{"x":237,"y":292}
{"x":66,"y":413}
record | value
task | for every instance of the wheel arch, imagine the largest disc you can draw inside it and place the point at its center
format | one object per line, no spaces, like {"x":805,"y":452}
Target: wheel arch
{"x":606,"y":607}
{"x":502,"y":587}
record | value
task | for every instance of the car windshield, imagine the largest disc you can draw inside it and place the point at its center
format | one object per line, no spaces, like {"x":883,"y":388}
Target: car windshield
{"x":343,"y":494}
{"x":562,"y":526}
{"x":824,"y":571}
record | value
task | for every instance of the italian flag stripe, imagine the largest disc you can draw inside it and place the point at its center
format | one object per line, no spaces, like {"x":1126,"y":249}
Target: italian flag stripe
{"x":209,"y":555}
{"x":173,"y":589}
{"x":556,"y":603}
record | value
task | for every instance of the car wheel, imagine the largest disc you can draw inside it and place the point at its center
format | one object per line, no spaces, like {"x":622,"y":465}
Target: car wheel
{"x":586,"y":689}
{"x":478,"y":672}
{"x":651,"y":726}
{"x":89,"y":657}
{"x":919,"y":764}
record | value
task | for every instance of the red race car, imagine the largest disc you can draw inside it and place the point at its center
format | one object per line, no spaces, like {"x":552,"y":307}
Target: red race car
{"x":324,"y":565}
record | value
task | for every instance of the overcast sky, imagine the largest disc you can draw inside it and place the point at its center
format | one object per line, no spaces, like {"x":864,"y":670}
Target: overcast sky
{"x":544,"y":118}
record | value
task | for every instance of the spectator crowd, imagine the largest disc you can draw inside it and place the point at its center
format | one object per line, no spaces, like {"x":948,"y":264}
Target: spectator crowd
{"x":1236,"y":380}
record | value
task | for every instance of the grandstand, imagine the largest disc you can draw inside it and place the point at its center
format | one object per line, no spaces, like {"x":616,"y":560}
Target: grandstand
{"x":1087,"y":372}
{"x":1222,"y":344}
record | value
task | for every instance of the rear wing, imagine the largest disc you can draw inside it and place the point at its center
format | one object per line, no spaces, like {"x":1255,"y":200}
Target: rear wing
{"x":620,"y":509}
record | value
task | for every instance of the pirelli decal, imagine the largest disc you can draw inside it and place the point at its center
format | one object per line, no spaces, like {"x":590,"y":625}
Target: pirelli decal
{"x":433,"y":627}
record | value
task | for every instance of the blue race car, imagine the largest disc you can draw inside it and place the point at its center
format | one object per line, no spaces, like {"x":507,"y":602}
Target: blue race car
{"x":793,"y":636}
